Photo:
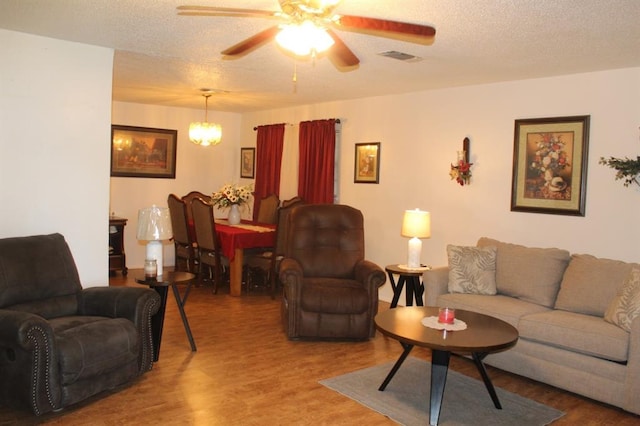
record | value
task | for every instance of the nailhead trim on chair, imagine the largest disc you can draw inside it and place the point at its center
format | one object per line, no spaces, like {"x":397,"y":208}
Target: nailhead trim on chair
{"x":148,"y":364}
{"x":34,"y":402}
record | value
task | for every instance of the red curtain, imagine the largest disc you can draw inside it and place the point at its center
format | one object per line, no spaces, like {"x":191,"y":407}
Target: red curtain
{"x":317,"y":141}
{"x":269,"y":145}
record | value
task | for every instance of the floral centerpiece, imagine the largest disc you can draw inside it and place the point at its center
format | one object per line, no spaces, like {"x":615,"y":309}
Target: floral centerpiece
{"x":231,"y":194}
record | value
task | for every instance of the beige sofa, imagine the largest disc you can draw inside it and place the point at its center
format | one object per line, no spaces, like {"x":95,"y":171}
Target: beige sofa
{"x":557,"y":301}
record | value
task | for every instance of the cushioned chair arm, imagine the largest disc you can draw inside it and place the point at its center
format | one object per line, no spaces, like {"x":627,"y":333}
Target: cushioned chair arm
{"x":119,"y":302}
{"x":17,"y":327}
{"x":28,"y":365}
{"x":136,"y":304}
{"x":436,"y":282}
{"x":632,"y":385}
{"x":291,"y":271}
{"x":370,"y":274}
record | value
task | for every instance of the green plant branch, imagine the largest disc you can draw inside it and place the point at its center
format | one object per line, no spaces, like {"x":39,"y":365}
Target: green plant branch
{"x":626,"y":169}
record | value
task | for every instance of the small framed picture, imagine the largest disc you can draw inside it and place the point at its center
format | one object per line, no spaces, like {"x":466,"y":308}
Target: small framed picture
{"x":143,"y":152}
{"x":550,"y":165}
{"x":367,"y":163}
{"x":247,"y":162}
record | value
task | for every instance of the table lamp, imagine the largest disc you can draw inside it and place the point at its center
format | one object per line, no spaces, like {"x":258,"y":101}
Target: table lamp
{"x":415,"y":225}
{"x":154,"y":225}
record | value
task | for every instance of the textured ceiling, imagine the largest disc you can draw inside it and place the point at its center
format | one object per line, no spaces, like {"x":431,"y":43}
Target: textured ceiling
{"x":165,"y":59}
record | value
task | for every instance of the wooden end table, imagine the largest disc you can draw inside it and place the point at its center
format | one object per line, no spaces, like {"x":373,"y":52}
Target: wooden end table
{"x":484,"y":335}
{"x":161,"y":285}
{"x":413,"y":280}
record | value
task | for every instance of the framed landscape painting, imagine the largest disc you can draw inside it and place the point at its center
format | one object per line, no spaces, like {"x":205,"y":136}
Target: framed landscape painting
{"x":550,"y":165}
{"x":143,"y":152}
{"x":367,"y":163}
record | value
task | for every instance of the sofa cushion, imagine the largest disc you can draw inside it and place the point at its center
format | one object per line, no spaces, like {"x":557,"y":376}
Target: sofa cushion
{"x":92,"y":346}
{"x":590,"y":284}
{"x":580,"y":333}
{"x":528,"y":273}
{"x":472,"y":269}
{"x":506,"y":308}
{"x":625,"y":307}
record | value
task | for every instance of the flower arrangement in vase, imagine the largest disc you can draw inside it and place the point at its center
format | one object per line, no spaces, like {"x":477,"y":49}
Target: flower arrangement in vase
{"x":549,"y":158}
{"x":232,"y":196}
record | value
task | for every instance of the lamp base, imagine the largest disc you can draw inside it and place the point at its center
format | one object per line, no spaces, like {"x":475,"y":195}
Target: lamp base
{"x":154,"y":251}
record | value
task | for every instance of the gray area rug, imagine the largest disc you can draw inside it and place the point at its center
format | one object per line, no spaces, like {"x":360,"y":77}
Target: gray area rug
{"x":466,"y":400}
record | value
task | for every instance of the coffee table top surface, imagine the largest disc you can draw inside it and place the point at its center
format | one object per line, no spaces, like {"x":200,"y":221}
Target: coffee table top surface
{"x":483,"y":333}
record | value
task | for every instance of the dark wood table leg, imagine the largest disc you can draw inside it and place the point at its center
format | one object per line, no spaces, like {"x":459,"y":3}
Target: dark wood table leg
{"x":439,"y":369}
{"x":183,"y":315}
{"x":418,"y":290}
{"x":477,"y":358}
{"x":396,"y":366}
{"x":397,"y":289}
{"x":157,"y":321}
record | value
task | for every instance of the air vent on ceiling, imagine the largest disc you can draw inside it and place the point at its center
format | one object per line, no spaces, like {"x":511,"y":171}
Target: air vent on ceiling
{"x":400,"y":56}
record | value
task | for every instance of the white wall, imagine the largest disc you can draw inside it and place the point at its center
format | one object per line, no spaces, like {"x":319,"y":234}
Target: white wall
{"x":421,"y":132}
{"x":198,"y":168}
{"x":55,"y":116}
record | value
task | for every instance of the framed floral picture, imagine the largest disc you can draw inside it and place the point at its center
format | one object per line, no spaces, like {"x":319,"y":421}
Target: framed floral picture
{"x":550,"y":165}
{"x":247,"y":162}
{"x":367,"y":163}
{"x":143,"y":152}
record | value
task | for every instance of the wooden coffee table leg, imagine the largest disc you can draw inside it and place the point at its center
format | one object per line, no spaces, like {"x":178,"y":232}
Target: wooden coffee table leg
{"x":477,"y":358}
{"x":439,"y":368}
{"x":396,"y":366}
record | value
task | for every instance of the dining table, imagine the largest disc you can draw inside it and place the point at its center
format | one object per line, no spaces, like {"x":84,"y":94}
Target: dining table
{"x":234,"y":239}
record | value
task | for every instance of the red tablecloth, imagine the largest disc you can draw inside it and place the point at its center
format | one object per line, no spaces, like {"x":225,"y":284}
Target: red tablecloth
{"x":233,"y":237}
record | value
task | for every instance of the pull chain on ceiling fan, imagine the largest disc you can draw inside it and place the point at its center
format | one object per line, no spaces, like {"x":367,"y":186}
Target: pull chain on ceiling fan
{"x":307,"y":29}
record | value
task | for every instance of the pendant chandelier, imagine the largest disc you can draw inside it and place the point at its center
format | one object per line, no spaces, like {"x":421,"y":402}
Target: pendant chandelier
{"x":205,"y":133}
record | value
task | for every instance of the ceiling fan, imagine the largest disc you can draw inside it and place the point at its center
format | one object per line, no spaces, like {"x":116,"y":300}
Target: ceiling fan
{"x":318,"y":18}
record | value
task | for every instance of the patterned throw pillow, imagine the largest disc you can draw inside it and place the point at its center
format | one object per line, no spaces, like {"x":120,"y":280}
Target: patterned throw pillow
{"x":626,"y":305}
{"x":472,"y":269}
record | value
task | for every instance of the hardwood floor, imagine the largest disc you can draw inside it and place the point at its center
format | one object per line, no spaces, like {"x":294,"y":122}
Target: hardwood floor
{"x":246,"y":372}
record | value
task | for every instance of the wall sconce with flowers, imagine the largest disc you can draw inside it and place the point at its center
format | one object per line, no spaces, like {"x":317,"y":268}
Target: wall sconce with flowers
{"x":461,"y":170}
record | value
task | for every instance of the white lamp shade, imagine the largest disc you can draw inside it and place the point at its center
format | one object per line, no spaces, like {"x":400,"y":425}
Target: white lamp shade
{"x":154,"y":224}
{"x":416,"y":223}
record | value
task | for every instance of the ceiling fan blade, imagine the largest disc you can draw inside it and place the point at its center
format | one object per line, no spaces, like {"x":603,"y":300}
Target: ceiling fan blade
{"x":415,"y":33}
{"x":340,"y":55}
{"x":252,"y":42}
{"x":225,"y":11}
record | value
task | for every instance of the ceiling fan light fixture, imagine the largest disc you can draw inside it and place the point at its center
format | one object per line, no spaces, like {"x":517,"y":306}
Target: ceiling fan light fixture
{"x":202,"y":132}
{"x":304,"y":39}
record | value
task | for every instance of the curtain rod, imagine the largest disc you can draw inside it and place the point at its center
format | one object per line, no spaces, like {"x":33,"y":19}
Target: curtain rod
{"x":291,"y":124}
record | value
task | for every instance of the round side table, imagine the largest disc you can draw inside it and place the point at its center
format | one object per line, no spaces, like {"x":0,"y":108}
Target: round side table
{"x":161,"y":285}
{"x":412,"y":279}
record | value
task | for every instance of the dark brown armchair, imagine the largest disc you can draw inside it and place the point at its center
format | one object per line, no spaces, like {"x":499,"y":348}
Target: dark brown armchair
{"x":330,"y":290}
{"x":60,"y":343}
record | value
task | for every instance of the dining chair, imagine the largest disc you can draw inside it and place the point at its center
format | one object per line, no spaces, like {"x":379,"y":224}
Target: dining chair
{"x":210,"y":254}
{"x":184,"y":242}
{"x":269,"y":261}
{"x":292,"y":201}
{"x":188,"y":199}
{"x":267,"y":209}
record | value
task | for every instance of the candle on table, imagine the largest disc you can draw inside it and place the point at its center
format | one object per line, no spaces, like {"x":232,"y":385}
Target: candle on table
{"x":446,"y":315}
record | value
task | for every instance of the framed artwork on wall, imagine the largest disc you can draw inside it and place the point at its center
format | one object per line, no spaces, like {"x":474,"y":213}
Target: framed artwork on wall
{"x":247,"y":162}
{"x":367,"y":163}
{"x":143,"y":152}
{"x":550,"y":165}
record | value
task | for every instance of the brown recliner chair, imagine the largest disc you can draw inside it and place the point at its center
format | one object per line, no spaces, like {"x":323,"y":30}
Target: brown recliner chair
{"x":60,"y":343}
{"x":330,"y":290}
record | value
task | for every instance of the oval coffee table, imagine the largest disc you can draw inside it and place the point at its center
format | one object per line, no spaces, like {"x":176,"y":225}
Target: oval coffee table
{"x":483,"y":335}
